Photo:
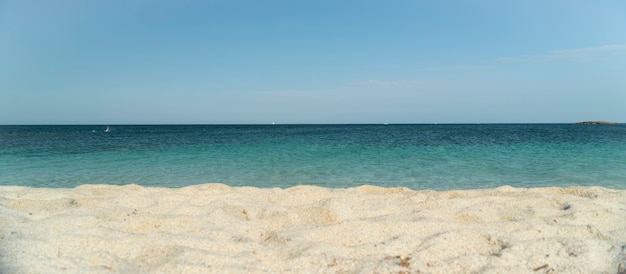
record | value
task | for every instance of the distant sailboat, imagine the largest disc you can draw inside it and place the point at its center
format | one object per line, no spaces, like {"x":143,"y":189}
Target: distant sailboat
{"x":108,"y":129}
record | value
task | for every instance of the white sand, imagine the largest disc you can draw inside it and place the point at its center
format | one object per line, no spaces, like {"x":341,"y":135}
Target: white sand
{"x":214,"y":228}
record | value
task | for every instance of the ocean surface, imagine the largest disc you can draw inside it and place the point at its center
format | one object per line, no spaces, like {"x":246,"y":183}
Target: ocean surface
{"x":439,"y":157}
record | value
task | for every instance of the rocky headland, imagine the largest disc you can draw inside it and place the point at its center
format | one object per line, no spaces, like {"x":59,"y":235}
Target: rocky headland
{"x":596,"y":123}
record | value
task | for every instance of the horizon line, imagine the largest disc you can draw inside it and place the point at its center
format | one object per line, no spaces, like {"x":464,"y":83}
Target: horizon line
{"x":296,"y":124}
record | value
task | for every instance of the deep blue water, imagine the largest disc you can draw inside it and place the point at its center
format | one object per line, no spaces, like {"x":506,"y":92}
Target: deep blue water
{"x":416,"y":156}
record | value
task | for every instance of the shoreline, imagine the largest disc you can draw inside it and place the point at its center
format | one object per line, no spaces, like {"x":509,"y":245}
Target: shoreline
{"x":218,"y":228}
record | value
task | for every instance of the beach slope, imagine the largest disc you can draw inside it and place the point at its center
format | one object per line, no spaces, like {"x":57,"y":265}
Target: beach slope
{"x":214,"y":228}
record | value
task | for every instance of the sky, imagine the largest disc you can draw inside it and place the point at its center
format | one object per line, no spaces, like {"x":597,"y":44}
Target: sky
{"x":297,"y":61}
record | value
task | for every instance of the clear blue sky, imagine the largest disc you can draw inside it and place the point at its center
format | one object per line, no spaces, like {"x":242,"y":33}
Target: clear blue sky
{"x":291,"y":61}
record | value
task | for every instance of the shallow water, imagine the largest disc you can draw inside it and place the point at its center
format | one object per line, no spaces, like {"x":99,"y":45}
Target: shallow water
{"x":416,"y":156}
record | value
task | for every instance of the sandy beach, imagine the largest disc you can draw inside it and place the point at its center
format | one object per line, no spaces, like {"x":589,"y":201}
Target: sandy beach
{"x":214,"y":228}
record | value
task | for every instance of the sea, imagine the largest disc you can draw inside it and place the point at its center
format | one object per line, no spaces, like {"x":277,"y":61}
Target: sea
{"x":421,"y":156}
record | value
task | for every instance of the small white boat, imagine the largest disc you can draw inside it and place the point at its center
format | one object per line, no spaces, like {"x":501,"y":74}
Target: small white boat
{"x":108,"y":129}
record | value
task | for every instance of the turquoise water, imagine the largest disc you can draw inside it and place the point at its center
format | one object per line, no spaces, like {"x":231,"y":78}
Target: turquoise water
{"x":437,"y":157}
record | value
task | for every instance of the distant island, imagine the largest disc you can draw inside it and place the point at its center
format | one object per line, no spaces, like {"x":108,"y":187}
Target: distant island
{"x":596,"y":123}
